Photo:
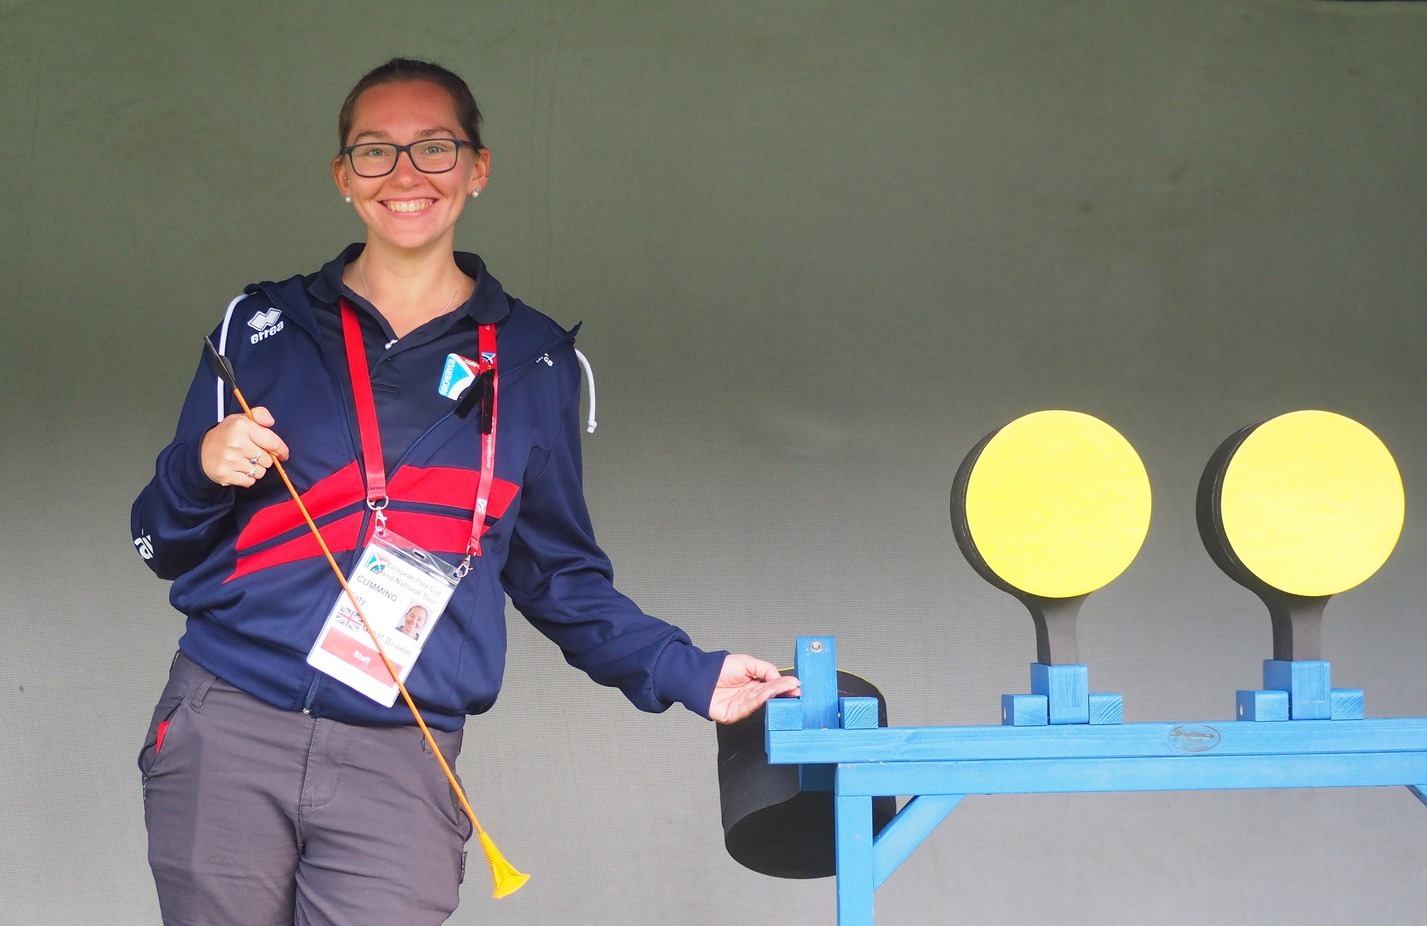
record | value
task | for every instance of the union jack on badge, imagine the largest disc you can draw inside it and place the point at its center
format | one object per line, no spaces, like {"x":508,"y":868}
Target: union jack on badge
{"x":348,"y":619}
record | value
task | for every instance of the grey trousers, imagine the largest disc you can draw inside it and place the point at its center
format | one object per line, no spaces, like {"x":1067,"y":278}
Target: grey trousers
{"x":264,"y":817}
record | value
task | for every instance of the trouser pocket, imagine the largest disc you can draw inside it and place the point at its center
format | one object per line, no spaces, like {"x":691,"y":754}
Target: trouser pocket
{"x":187,"y":683}
{"x":449,"y":742}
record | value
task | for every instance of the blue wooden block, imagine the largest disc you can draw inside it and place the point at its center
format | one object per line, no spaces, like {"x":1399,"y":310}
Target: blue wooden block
{"x":1346,"y":704}
{"x":1025,"y":710}
{"x":859,"y":713}
{"x":1306,"y":681}
{"x":785,"y":714}
{"x":1106,"y":708}
{"x":1261,"y":705}
{"x":1067,"y":687}
{"x":815,"y":664}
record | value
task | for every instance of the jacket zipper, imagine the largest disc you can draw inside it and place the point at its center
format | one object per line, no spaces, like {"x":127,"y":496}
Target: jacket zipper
{"x":367,"y":515}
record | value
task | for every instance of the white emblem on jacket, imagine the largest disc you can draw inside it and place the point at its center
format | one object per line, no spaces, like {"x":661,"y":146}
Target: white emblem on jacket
{"x":266,"y":324}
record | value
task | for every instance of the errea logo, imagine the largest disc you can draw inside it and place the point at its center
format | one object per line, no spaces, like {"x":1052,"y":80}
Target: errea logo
{"x":266,"y":324}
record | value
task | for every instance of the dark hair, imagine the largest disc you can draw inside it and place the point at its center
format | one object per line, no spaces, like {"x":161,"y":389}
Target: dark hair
{"x":411,"y":70}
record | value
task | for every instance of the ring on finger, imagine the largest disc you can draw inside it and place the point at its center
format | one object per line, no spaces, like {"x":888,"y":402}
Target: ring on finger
{"x":254,"y":458}
{"x":252,"y":473}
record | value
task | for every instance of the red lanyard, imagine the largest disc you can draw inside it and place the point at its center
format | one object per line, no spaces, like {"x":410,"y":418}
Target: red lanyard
{"x":370,"y":432}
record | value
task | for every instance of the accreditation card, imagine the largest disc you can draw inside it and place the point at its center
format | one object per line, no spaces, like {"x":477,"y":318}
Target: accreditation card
{"x":402,"y":590}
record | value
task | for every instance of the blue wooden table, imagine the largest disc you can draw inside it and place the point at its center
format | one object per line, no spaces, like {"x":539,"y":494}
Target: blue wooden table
{"x":1295,"y":732}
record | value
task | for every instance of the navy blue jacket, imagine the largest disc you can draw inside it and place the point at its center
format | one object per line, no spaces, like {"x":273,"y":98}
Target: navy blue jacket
{"x":256,"y":589}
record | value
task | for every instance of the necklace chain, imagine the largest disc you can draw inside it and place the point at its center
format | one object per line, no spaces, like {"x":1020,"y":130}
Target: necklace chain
{"x":367,"y":290}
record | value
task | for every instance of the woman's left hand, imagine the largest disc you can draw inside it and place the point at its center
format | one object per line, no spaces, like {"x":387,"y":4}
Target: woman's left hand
{"x":744,"y":684}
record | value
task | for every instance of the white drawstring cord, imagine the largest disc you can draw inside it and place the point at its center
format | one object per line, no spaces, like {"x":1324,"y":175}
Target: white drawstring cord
{"x":589,"y":378}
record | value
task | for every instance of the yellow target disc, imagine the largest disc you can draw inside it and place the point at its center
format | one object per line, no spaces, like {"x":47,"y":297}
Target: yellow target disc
{"x":1312,"y":503}
{"x":1057,"y":504}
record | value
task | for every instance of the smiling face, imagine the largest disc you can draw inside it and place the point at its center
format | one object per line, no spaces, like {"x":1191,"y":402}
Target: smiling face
{"x":413,"y":620}
{"x":408,"y":210}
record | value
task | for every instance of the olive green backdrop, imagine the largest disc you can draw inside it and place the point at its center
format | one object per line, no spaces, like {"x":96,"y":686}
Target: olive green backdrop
{"x":820,"y":249}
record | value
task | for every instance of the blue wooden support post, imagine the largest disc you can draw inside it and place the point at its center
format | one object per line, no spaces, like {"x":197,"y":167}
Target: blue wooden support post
{"x":856,"y":844}
{"x":912,"y":824}
{"x":855,"y":884}
{"x":815,"y":665}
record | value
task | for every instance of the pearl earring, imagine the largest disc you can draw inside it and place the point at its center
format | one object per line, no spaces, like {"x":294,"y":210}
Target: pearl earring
{"x":348,"y":199}
{"x":476,"y":192}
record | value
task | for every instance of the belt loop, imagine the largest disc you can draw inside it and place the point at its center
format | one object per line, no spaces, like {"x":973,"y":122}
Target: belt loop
{"x":196,"y":699}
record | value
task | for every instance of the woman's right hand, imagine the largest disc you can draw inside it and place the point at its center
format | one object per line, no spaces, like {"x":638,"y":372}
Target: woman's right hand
{"x":238,"y":451}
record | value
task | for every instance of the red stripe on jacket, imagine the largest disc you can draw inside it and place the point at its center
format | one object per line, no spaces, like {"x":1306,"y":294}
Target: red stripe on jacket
{"x":437,"y":485}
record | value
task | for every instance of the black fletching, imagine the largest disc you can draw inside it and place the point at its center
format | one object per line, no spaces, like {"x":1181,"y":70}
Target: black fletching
{"x":219,"y":365}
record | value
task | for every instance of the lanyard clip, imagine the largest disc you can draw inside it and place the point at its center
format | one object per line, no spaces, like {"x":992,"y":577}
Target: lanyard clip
{"x":378,"y":505}
{"x":473,"y":548}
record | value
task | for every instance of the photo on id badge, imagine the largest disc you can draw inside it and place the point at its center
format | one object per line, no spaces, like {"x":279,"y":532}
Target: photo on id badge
{"x":413,"y":621}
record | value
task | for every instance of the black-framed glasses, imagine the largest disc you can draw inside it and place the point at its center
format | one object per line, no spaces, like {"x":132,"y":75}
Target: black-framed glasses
{"x":430,"y":156}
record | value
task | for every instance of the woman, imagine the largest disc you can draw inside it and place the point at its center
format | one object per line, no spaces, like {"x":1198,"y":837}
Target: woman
{"x":274,"y":792}
{"x":412,"y":621}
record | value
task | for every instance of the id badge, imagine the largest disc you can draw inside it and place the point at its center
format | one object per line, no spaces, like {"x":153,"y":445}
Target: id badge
{"x":402,"y":590}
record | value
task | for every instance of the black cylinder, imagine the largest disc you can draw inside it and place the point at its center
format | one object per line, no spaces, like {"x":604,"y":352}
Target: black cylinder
{"x":771,"y":825}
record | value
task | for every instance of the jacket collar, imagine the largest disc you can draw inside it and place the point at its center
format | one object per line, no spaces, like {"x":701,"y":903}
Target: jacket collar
{"x":487,"y":305}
